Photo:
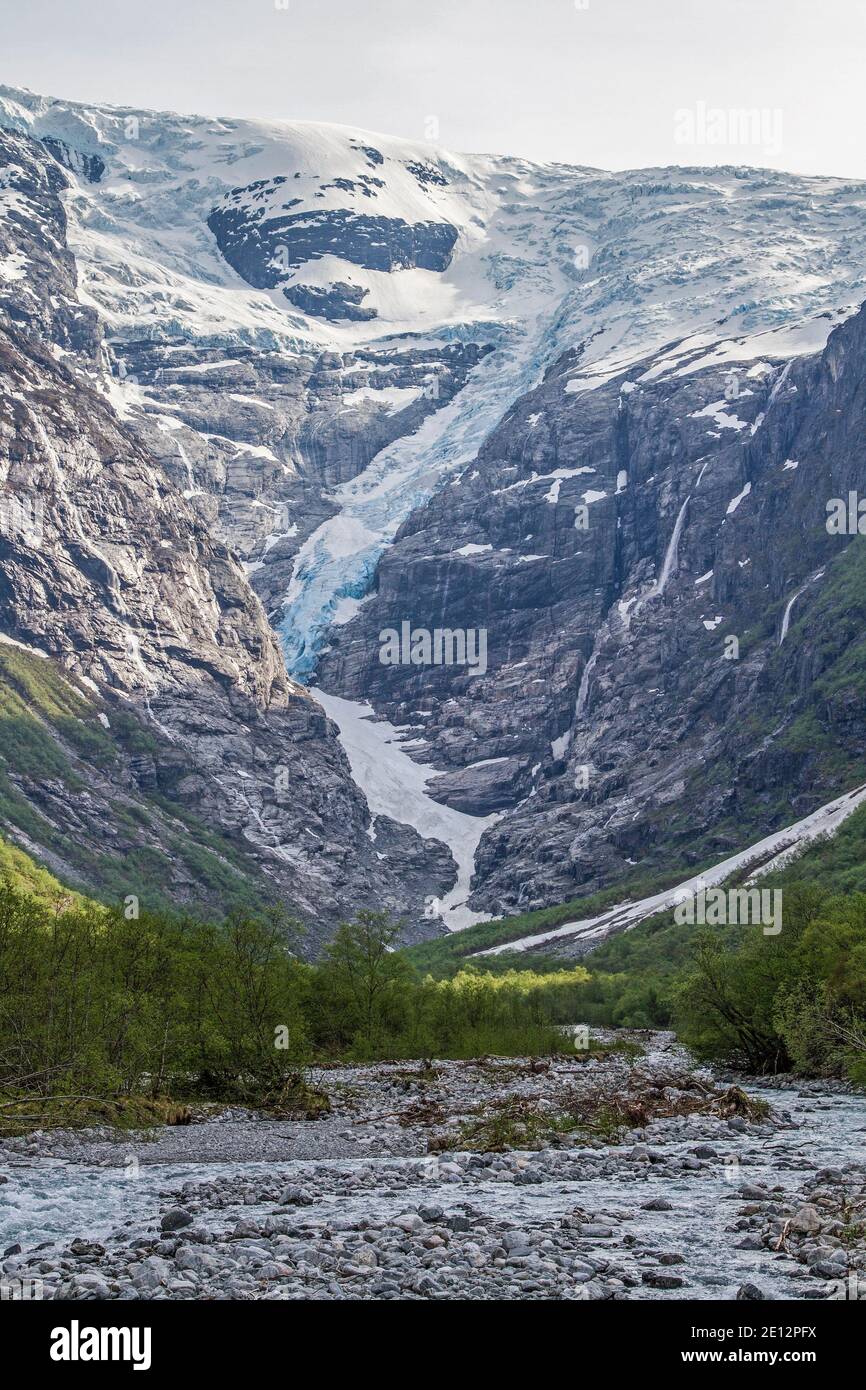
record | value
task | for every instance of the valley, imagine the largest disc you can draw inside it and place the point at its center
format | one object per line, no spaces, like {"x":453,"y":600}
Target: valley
{"x":415,"y":586}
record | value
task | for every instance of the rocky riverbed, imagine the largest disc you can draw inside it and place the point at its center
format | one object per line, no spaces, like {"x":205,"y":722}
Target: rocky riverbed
{"x":626,"y":1174}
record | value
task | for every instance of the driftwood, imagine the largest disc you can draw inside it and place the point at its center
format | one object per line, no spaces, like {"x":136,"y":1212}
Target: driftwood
{"x":48,"y":1100}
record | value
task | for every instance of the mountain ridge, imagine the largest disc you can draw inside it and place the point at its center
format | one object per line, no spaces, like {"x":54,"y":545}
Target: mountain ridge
{"x":390,"y":427}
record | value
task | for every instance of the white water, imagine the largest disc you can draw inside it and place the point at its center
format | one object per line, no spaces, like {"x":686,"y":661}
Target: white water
{"x":583,"y":688}
{"x":50,"y":1200}
{"x":786,"y":619}
{"x":671,"y":560}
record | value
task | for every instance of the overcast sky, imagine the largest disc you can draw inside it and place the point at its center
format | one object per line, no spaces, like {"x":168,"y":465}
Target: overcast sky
{"x":605,"y":85}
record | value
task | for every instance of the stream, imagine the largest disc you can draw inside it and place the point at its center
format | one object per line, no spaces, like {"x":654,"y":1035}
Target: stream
{"x":55,"y":1200}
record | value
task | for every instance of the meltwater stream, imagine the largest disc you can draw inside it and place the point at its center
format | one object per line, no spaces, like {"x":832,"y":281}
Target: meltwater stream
{"x":55,"y":1201}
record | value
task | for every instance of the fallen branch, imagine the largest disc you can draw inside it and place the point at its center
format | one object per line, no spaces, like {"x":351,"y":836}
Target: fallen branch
{"x":49,"y":1100}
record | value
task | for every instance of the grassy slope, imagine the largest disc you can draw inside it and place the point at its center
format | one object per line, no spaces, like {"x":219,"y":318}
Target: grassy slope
{"x":51,"y":738}
{"x":26,"y":876}
{"x":447,"y":953}
{"x":652,"y":953}
{"x":836,"y":864}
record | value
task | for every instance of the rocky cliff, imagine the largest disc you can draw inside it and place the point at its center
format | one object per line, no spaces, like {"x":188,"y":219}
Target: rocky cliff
{"x":299,"y":380}
{"x":165,"y":751}
{"x":673,"y":640}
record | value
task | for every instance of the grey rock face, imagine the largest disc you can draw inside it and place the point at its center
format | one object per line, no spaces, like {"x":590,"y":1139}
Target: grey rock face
{"x":89,"y":166}
{"x":338,"y":301}
{"x":109,"y":573}
{"x":610,"y":542}
{"x":38,"y":293}
{"x":262,"y":248}
{"x":258,"y":443}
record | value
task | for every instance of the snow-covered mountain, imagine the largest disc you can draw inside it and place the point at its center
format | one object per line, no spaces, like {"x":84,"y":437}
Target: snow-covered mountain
{"x":206,"y":239}
{"x":384,"y":376}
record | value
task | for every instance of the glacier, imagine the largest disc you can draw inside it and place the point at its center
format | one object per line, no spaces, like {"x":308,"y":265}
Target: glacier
{"x":572,"y":271}
{"x":691,"y":265}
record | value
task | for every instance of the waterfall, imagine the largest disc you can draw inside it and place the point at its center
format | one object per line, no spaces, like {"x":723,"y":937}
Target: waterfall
{"x":672,"y":552}
{"x":786,"y":620}
{"x":786,"y":617}
{"x":583,"y":689}
{"x":669,"y":565}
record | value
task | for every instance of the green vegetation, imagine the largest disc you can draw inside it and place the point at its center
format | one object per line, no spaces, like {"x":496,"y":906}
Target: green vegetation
{"x":369,"y":1002}
{"x":19,"y":871}
{"x":773,"y":988}
{"x":796,"y":1000}
{"x":100,"y":1014}
{"x":761,"y":1002}
{"x":133,"y":1019}
{"x":447,"y":954}
{"x":834,"y":863}
{"x":53,"y":746}
{"x":598,"y":1112}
